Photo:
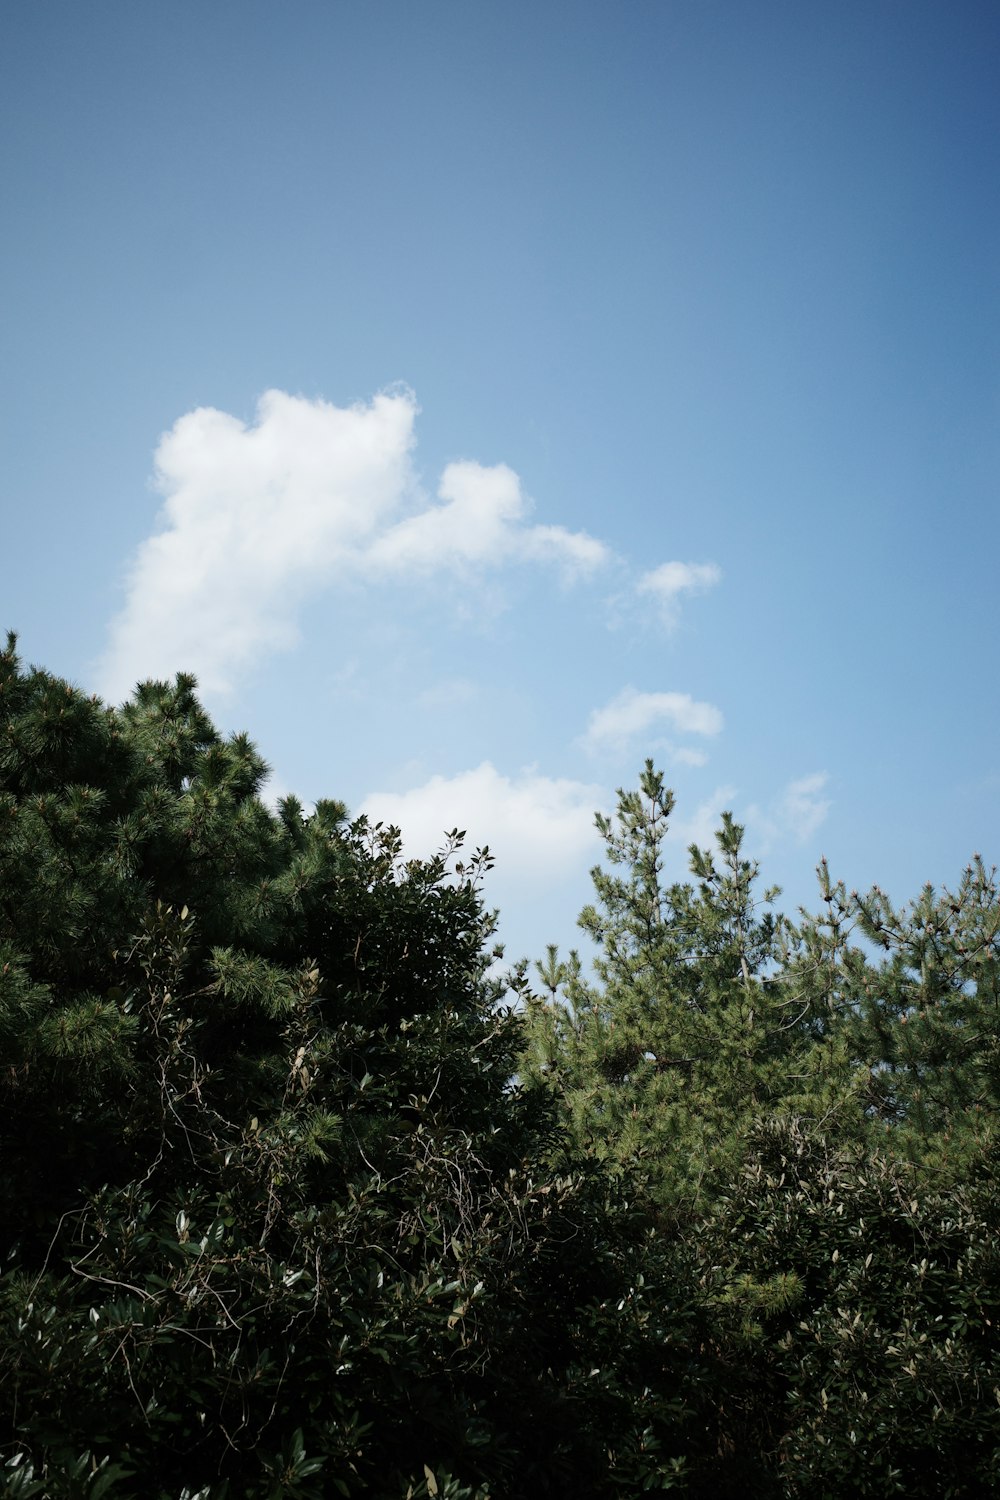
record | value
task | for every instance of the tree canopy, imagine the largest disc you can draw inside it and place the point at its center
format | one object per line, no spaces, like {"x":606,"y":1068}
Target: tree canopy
{"x":276,"y":1219}
{"x":811,"y":1108}
{"x":295,"y":1202}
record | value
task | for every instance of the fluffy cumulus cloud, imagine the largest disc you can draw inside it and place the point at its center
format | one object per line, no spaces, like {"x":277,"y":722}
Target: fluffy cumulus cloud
{"x":668,"y":584}
{"x":538,"y":828}
{"x":632,"y":713}
{"x":253,"y":517}
{"x":258,"y":516}
{"x":481,"y":520}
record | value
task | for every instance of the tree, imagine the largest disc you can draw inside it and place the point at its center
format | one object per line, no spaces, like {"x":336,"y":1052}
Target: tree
{"x":275,"y":1219}
{"x":914,"y":996}
{"x":292,"y":1203}
{"x":864,"y":1298}
{"x":686,"y":1034}
{"x":817,"y":1124}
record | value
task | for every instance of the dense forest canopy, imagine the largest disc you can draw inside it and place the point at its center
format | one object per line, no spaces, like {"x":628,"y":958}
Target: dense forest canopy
{"x":296,"y":1199}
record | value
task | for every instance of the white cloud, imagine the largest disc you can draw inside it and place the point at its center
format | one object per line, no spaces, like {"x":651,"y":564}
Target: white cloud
{"x":481,"y":507}
{"x":700,"y":826}
{"x":794,"y":815}
{"x":257,"y":517}
{"x":803,"y":808}
{"x":481,"y":521}
{"x":538,"y":828}
{"x":273,"y":791}
{"x":253,"y":518}
{"x":671,"y":580}
{"x":452,"y":692}
{"x":575,"y":552}
{"x":684,"y":756}
{"x":632,"y":713}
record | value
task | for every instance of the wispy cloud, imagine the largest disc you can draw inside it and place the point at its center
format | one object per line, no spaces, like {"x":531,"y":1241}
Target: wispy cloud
{"x":632,"y":713}
{"x":575,"y":552}
{"x":684,"y":755}
{"x":451,"y":692}
{"x":668,"y":583}
{"x":539,"y":828}
{"x":699,"y":826}
{"x":258,"y":517}
{"x":794,"y":815}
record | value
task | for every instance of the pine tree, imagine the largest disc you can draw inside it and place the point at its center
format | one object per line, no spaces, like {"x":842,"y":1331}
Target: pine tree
{"x":911,"y":996}
{"x":686,"y":1033}
{"x":812,"y":1106}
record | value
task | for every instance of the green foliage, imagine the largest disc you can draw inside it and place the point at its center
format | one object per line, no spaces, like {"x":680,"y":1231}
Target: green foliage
{"x":914,"y":998}
{"x":810,"y":1111}
{"x":868,"y":1305}
{"x":292,"y":1204}
{"x":275,"y":1221}
{"x":687,"y":1034}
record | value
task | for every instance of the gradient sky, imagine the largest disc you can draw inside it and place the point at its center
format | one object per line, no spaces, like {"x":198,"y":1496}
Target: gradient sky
{"x":480,"y":398}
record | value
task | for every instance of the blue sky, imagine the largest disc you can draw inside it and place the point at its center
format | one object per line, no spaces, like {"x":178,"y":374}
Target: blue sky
{"x":480,"y":398}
